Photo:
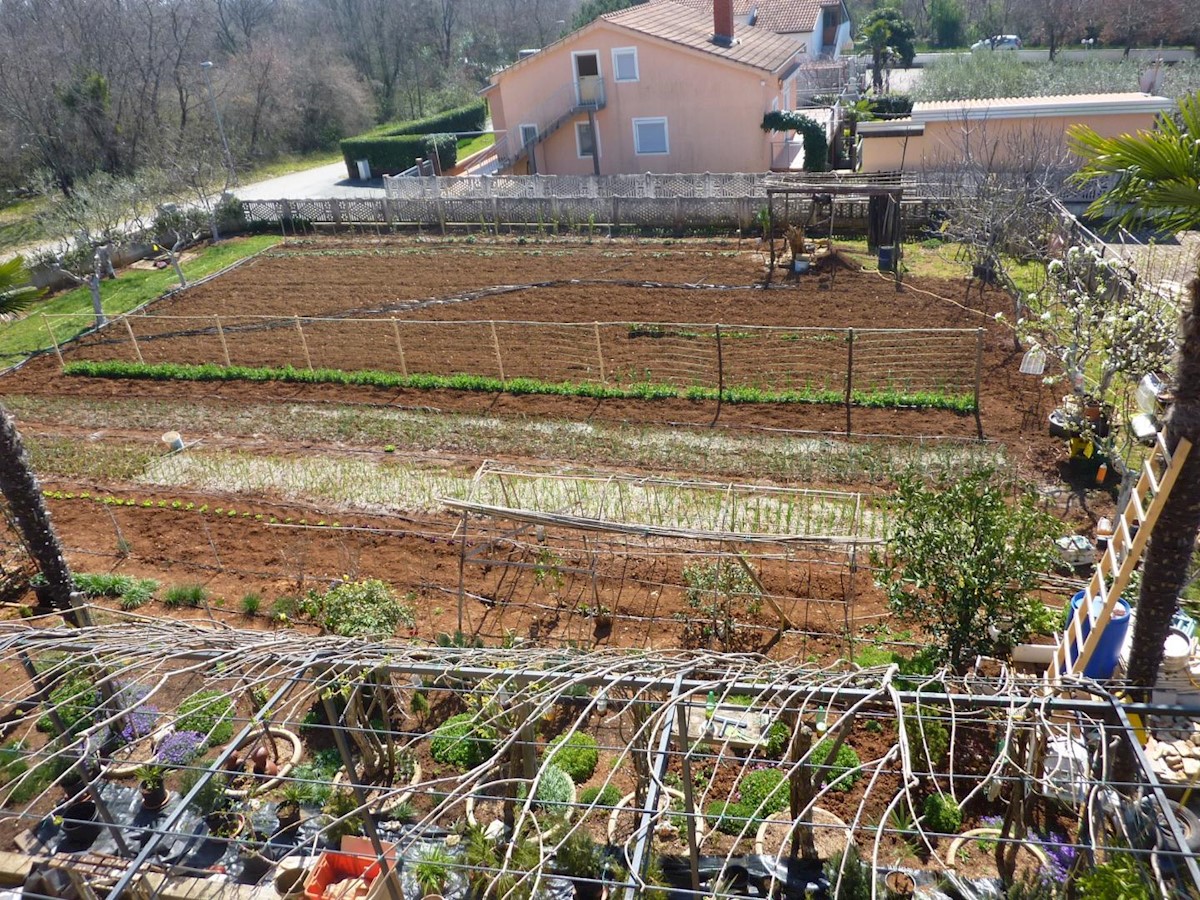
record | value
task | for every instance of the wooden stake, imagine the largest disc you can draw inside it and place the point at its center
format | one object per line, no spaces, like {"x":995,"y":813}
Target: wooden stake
{"x":54,"y":341}
{"x":399,"y":348}
{"x":303,"y":343}
{"x":978,"y":380}
{"x":849,"y":375}
{"x":133,"y":337}
{"x":496,"y":346}
{"x":224,"y":344}
{"x":600,"y":353}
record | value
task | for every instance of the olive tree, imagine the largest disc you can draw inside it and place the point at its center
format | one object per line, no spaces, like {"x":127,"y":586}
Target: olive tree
{"x":960,"y":560}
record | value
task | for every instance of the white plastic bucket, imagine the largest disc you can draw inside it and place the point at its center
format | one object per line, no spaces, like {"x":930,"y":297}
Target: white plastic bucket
{"x":1177,"y":651}
{"x":173,"y":439}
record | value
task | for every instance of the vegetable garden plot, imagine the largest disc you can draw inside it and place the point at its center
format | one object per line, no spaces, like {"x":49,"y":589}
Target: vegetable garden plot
{"x":740,"y":363}
{"x":730,"y":565}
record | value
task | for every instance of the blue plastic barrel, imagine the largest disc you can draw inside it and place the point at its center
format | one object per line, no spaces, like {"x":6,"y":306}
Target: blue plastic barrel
{"x":886,"y":259}
{"x":1069,"y":611}
{"x":1104,"y":658}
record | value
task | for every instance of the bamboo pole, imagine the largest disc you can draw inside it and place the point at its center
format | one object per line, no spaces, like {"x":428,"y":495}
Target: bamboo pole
{"x":496,"y":347}
{"x":303,"y":342}
{"x":224,"y":343}
{"x":849,"y":375}
{"x":54,"y":341}
{"x":399,"y":347}
{"x":599,"y":352}
{"x":133,"y":337}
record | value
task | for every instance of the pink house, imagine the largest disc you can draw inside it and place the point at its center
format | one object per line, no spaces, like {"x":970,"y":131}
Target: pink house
{"x":654,"y":88}
{"x":821,"y":27}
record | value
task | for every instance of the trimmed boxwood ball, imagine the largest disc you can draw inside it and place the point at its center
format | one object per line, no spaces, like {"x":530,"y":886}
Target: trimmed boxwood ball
{"x":462,"y":743}
{"x":730,"y":818}
{"x":941,"y":814}
{"x":846,"y":759}
{"x":605,"y":796}
{"x":576,"y":755}
{"x":763,"y":792}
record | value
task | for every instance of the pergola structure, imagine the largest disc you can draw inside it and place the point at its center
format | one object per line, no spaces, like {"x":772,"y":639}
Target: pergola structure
{"x":643,"y":710}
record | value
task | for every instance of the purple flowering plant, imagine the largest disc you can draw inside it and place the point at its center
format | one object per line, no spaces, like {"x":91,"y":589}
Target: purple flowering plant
{"x":179,"y":748}
{"x":139,"y":723}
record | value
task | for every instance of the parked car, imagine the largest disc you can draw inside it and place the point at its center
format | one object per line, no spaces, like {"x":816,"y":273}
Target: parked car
{"x":998,"y":42}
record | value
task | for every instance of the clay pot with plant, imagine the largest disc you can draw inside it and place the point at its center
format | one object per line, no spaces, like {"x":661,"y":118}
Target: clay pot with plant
{"x":288,"y":808}
{"x":583,"y":863}
{"x":152,"y":785}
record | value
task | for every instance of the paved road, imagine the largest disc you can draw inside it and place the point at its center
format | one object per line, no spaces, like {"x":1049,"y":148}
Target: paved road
{"x":323,"y":181}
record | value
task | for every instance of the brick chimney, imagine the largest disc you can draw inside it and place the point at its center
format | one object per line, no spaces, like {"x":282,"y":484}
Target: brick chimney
{"x":723,"y":23}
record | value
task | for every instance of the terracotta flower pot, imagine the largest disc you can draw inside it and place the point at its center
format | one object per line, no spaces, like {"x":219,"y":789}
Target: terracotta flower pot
{"x":154,"y":795}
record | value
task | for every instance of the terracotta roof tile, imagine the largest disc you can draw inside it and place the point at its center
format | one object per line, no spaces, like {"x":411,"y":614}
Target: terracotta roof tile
{"x":678,"y":24}
{"x":780,"y":16}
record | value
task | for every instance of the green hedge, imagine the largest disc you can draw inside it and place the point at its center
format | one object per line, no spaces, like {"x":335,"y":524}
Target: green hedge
{"x":395,"y":147}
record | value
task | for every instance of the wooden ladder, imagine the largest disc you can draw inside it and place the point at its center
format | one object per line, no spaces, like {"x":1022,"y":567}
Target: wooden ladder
{"x":1132,"y":531}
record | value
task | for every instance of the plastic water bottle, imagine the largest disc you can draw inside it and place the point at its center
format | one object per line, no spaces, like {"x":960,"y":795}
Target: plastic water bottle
{"x":710,"y":705}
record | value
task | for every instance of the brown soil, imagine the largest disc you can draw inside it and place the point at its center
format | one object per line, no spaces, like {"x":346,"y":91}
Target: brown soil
{"x":577,"y":283}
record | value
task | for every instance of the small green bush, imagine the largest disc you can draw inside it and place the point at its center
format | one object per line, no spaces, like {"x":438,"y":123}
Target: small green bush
{"x":132,"y":592}
{"x":75,"y":700}
{"x":366,"y":609}
{"x":609,"y":795}
{"x":941,"y":814}
{"x":730,"y":818}
{"x":778,"y":736}
{"x":252,"y":603}
{"x":395,"y":147}
{"x":846,"y":759}
{"x":764,"y":791}
{"x":462,"y":743}
{"x":576,"y":755}
{"x":208,"y":712}
{"x":185,"y":595}
{"x":928,"y":739}
{"x":554,"y":790}
{"x":852,"y":880}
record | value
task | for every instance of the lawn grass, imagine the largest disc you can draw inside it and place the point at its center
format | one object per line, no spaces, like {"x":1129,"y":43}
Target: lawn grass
{"x":18,"y":227}
{"x":130,"y":290}
{"x":467,"y":146}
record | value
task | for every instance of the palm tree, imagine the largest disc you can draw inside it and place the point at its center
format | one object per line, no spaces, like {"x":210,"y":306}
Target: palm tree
{"x":1158,"y":181}
{"x":18,"y":483}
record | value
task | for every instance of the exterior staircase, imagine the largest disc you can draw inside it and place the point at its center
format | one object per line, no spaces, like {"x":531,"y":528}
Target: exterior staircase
{"x":1113,"y":570}
{"x":584,"y":96}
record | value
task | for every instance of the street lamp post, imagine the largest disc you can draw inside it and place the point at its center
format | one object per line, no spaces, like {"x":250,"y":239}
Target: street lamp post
{"x":231,"y":175}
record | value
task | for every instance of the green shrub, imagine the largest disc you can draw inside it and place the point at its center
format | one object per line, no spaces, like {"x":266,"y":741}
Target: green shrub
{"x":941,"y":814}
{"x":851,"y":881}
{"x":846,"y":759}
{"x":763,"y":792}
{"x":812,"y":133}
{"x":928,"y":739}
{"x":554,"y":790}
{"x":730,"y":818}
{"x":251,"y":604}
{"x":1121,"y":877}
{"x":185,"y":595}
{"x":890,"y":106}
{"x":576,"y":755}
{"x":462,"y":743}
{"x":606,"y":796}
{"x":132,"y":592}
{"x":361,"y":609}
{"x":778,"y":737}
{"x":208,"y":712}
{"x":395,"y":147}
{"x":75,"y":701}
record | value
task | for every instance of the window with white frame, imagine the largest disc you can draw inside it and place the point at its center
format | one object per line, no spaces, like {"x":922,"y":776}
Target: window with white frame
{"x":650,"y":136}
{"x":625,"y":64}
{"x":529,"y":135}
{"x":585,"y":140}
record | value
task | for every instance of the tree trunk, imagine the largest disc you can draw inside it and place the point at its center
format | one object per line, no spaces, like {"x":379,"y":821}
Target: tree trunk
{"x":1170,"y":549}
{"x":20,"y":487}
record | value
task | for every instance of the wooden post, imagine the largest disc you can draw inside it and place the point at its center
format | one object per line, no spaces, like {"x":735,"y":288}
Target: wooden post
{"x":599,"y":353}
{"x":689,"y":807}
{"x":720,"y":374}
{"x":133,"y":337}
{"x":978,"y":380}
{"x":849,"y":375}
{"x":224,"y":343}
{"x":303,"y":343}
{"x":399,"y":348}
{"x":54,"y":341}
{"x":496,"y":347}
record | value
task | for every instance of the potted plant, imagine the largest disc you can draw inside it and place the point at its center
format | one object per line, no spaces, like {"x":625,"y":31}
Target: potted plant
{"x":432,"y":871}
{"x":251,"y":856}
{"x":152,"y":784}
{"x":79,"y":826}
{"x":288,"y":809}
{"x":582,"y":862}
